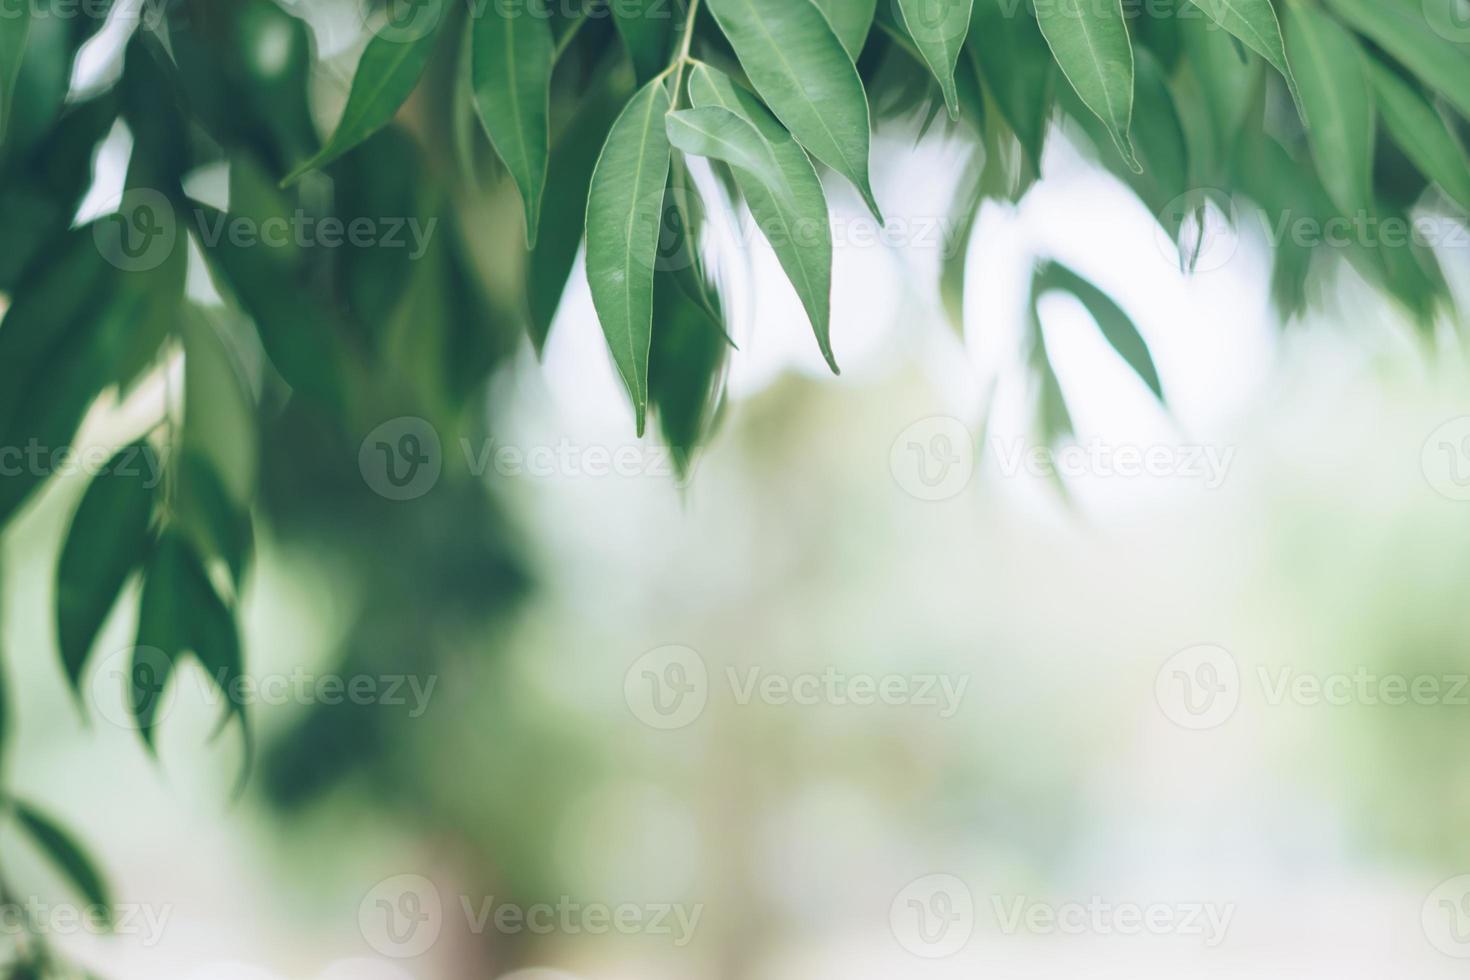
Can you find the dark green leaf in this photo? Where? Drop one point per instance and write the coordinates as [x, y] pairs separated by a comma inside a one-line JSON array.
[[938, 28], [105, 544], [1116, 326], [68, 856]]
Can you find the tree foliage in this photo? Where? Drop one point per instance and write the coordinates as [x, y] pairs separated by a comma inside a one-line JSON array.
[[515, 132]]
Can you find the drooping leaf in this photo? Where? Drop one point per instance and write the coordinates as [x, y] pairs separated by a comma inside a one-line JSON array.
[[294, 328], [798, 226], [513, 56], [1255, 24], [1421, 132], [645, 27], [15, 28], [69, 857], [1428, 36], [1089, 39], [386, 75], [851, 20], [624, 212], [803, 73], [209, 515], [719, 134], [938, 28], [163, 630], [1116, 326], [564, 212], [1332, 75], [685, 370], [105, 544], [1013, 59]]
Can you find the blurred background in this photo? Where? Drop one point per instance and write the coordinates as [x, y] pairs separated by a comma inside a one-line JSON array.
[[885, 687]]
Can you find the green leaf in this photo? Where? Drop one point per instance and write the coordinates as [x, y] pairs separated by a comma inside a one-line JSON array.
[[564, 214], [15, 28], [105, 544], [645, 27], [686, 369], [387, 74], [216, 524], [1089, 39], [624, 214], [295, 330], [797, 226], [1116, 326], [1013, 59], [1255, 24], [67, 855], [803, 73], [851, 20], [163, 629], [1333, 77], [1421, 132], [1428, 36], [938, 28], [719, 134], [513, 57]]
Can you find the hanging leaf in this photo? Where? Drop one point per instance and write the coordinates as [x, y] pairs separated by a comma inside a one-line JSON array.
[[513, 57], [163, 630], [797, 224], [386, 75], [15, 28], [214, 522], [1012, 57], [645, 27], [1428, 36], [938, 28], [105, 544], [564, 213], [803, 73], [1090, 42], [624, 212], [1332, 74], [68, 856], [1421, 132], [1116, 326], [1255, 24], [851, 21], [719, 134]]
